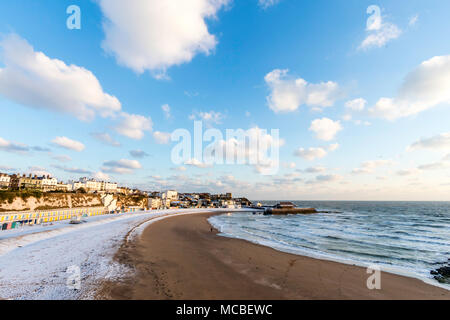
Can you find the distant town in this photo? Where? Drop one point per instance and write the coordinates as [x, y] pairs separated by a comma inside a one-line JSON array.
[[162, 199]]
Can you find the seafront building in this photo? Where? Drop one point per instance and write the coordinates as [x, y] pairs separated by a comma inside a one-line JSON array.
[[168, 197], [92, 185], [154, 203], [47, 183], [5, 181]]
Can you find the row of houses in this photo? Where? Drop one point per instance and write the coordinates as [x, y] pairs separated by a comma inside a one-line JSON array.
[[18, 181], [92, 185], [47, 183], [173, 199]]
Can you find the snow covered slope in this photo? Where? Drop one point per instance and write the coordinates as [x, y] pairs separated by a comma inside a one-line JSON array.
[[34, 263]]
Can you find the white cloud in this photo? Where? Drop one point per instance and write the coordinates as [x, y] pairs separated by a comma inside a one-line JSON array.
[[333, 147], [379, 38], [105, 138], [347, 117], [7, 168], [123, 166], [315, 169], [325, 129], [72, 169], [356, 104], [267, 3], [378, 32], [20, 148], [324, 179], [408, 172], [196, 163], [288, 94], [257, 147], [70, 144], [434, 166], [138, 154], [155, 35], [311, 153], [438, 142], [181, 168], [62, 158], [191, 94], [101, 176], [447, 157], [425, 87], [370, 166], [267, 167], [162, 137], [289, 165], [33, 79], [413, 20], [360, 122], [328, 178], [39, 171], [314, 153], [166, 109], [211, 117], [133, 126], [13, 146]]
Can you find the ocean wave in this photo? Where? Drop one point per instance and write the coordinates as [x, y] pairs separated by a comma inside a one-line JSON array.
[[410, 237]]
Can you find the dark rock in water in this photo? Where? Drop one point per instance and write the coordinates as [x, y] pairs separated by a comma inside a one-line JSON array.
[[286, 211], [442, 274], [441, 279], [444, 271], [329, 211]]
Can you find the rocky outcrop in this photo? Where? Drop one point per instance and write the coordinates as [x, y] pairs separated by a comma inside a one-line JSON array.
[[132, 201], [86, 200], [442, 274], [49, 201], [283, 211]]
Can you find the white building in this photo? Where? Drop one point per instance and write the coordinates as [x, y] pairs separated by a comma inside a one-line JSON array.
[[5, 180], [154, 203], [110, 187], [92, 185], [66, 187], [171, 195], [47, 183], [76, 185]]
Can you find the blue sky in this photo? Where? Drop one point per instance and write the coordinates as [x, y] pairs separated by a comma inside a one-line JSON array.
[[361, 107]]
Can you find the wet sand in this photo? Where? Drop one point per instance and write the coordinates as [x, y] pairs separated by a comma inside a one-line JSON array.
[[183, 258]]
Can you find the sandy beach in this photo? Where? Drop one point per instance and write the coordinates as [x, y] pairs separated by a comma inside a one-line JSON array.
[[183, 258]]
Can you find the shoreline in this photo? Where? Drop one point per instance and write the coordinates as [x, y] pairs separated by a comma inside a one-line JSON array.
[[385, 268], [183, 257]]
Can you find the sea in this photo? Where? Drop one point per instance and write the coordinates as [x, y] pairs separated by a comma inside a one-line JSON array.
[[407, 238]]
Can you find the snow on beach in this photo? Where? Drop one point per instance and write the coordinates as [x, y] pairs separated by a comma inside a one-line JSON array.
[[37, 262]]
